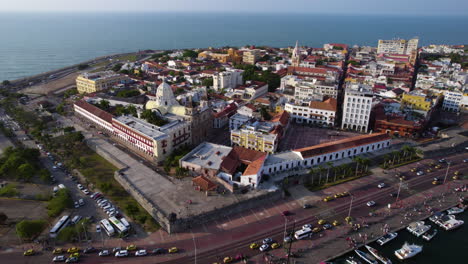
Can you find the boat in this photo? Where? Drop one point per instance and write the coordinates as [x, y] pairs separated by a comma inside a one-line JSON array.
[[452, 224], [352, 260], [408, 251], [436, 216], [455, 210], [444, 219], [366, 257], [418, 228], [387, 238], [378, 255], [428, 237]]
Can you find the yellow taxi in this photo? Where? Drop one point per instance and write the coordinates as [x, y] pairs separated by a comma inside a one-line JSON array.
[[336, 223], [321, 222], [75, 255], [73, 250], [316, 230], [348, 219], [435, 182], [227, 260], [414, 169], [254, 246], [173, 250], [57, 251], [131, 247], [455, 177], [275, 245], [29, 252], [429, 170], [457, 173], [438, 167], [328, 198]]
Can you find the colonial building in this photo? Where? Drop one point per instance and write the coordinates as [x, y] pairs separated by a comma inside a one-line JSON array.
[[251, 56], [296, 56], [250, 91], [94, 114], [321, 113], [93, 82], [227, 80]]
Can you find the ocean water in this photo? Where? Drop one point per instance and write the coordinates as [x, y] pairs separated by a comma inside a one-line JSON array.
[[31, 43], [445, 247]]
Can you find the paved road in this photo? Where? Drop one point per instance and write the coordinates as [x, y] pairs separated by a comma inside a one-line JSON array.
[[214, 244]]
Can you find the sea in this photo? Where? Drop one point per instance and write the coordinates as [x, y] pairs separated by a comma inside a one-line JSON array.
[[32, 43], [445, 247]]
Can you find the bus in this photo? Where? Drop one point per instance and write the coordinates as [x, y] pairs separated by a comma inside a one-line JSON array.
[[125, 222], [107, 227], [62, 222], [303, 233], [119, 226]]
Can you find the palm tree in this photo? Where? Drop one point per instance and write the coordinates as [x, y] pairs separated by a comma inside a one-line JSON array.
[[366, 162], [329, 166], [320, 170], [406, 150], [335, 170], [358, 161], [395, 154], [387, 158], [312, 172]]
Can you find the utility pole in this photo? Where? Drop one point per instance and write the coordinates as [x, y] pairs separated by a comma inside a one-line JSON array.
[[350, 205], [285, 224], [446, 173], [399, 188], [292, 240]]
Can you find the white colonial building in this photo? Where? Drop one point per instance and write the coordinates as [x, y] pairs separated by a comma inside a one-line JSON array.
[[228, 79], [316, 112]]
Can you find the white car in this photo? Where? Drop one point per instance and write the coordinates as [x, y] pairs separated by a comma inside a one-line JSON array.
[[77, 205], [419, 173], [80, 186], [264, 247], [104, 253], [381, 185], [141, 252], [307, 226], [370, 203], [81, 202], [121, 253], [98, 229], [441, 160], [86, 191], [59, 259], [267, 241]]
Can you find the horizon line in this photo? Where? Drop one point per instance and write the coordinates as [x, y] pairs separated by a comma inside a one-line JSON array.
[[240, 12]]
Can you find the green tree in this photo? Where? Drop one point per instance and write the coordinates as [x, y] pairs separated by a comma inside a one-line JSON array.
[[132, 209], [190, 54], [26, 171], [28, 229], [82, 67], [329, 167], [6, 83], [207, 82], [153, 118], [264, 113], [44, 175], [104, 104], [60, 202], [3, 218], [117, 67]]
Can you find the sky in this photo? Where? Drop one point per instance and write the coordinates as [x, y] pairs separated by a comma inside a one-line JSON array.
[[400, 7]]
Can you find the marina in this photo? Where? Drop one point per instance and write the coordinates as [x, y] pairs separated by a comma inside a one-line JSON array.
[[408, 251], [428, 237], [378, 255], [387, 238], [418, 228]]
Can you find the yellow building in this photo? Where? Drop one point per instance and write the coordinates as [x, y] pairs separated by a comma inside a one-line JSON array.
[[93, 82], [417, 101], [230, 56], [251, 56]]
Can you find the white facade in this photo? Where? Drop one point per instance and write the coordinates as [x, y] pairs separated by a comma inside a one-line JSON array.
[[310, 115], [237, 121], [94, 118], [227, 80], [165, 96], [398, 46], [357, 106], [452, 101]]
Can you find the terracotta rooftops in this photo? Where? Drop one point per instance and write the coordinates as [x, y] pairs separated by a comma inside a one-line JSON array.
[[255, 166], [94, 110], [204, 183], [330, 104], [237, 156], [229, 109], [338, 145], [282, 117]]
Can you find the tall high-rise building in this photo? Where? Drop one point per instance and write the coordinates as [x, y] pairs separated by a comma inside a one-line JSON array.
[[228, 79], [399, 46], [251, 56], [357, 106]]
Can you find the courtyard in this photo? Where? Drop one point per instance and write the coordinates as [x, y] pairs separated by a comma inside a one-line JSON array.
[[300, 136]]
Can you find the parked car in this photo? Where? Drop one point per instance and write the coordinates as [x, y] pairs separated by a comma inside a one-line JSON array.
[[77, 204], [264, 247], [157, 251], [419, 173], [104, 253], [307, 226], [370, 203], [89, 250], [81, 202], [60, 258], [141, 253], [267, 241], [327, 226], [81, 187], [121, 253], [71, 260], [307, 206], [381, 185]]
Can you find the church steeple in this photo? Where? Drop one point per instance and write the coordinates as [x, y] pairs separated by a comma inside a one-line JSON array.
[[165, 96], [296, 56]]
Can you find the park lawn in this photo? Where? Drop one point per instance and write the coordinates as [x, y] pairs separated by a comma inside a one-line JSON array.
[[128, 57], [100, 173]]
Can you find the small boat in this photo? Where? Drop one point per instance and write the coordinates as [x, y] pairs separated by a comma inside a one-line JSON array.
[[428, 237], [452, 224], [455, 210], [366, 257], [387, 238], [408, 251], [378, 255], [418, 228], [444, 219], [352, 260], [436, 216]]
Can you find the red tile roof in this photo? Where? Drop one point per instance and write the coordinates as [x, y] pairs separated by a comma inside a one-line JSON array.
[[237, 156], [330, 104], [204, 183], [95, 110], [338, 145], [255, 166], [282, 117], [229, 109]]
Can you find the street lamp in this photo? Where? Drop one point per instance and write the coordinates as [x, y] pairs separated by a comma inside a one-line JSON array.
[[446, 173], [285, 224], [399, 188], [350, 205], [195, 246]]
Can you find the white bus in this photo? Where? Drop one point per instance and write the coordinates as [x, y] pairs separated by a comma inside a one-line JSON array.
[[119, 226], [76, 219], [107, 227], [125, 222], [303, 233], [62, 222]]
